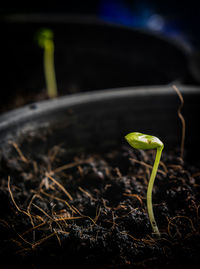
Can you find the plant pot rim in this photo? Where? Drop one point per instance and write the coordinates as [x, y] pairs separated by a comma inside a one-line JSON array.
[[33, 110]]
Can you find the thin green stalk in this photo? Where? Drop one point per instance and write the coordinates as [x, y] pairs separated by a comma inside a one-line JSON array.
[[49, 69], [149, 191], [45, 41]]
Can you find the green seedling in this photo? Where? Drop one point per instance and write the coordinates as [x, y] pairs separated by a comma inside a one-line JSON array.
[[45, 41], [143, 141]]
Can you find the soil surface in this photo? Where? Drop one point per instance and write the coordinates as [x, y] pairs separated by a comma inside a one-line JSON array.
[[59, 210]]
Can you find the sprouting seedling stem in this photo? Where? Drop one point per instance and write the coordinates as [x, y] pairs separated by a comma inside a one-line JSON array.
[[149, 192], [45, 40], [142, 141]]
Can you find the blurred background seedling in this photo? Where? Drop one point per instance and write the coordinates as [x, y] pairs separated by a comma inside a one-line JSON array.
[[45, 40]]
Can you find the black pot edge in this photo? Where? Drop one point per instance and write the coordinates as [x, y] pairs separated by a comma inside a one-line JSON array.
[[34, 110], [90, 19]]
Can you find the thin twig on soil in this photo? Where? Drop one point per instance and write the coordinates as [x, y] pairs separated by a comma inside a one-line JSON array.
[[60, 186], [70, 165], [134, 196], [22, 157], [86, 193], [179, 217], [13, 200], [146, 165], [58, 199], [182, 120]]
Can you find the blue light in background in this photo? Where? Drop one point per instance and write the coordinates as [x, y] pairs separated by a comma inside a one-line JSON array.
[[119, 12], [142, 15]]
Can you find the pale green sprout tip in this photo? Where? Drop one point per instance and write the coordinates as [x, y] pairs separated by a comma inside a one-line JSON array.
[[45, 41], [143, 141], [44, 37]]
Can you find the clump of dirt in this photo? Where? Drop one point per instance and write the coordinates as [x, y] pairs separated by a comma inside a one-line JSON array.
[[59, 209]]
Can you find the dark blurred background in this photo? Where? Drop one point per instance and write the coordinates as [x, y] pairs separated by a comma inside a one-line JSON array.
[[176, 19], [93, 56]]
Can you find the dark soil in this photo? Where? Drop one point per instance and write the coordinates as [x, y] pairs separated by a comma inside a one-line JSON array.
[[59, 210]]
